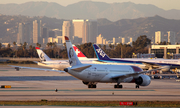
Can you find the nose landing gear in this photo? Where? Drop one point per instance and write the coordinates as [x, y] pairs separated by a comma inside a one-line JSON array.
[[118, 86]]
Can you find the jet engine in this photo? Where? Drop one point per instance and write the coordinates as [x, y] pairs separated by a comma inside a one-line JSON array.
[[143, 80], [165, 68], [86, 83]]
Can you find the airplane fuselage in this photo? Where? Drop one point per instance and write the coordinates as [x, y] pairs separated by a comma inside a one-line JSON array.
[[173, 63], [104, 73]]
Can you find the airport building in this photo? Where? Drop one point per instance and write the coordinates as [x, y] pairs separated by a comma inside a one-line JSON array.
[[161, 51]]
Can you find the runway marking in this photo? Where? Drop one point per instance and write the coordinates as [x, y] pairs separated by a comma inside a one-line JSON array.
[[92, 95], [3, 70], [75, 90]]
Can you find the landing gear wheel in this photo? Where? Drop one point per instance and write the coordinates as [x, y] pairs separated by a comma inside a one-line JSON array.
[[91, 86], [137, 86], [94, 86], [118, 86]]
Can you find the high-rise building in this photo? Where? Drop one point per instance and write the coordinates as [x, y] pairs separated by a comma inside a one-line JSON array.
[[99, 39], [52, 34], [131, 40], [85, 29], [45, 35], [67, 30], [24, 33], [90, 31], [20, 37], [27, 32], [78, 25], [104, 41], [37, 27], [171, 37], [114, 40], [159, 37], [123, 40]]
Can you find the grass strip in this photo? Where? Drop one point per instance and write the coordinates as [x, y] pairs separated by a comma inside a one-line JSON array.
[[90, 103]]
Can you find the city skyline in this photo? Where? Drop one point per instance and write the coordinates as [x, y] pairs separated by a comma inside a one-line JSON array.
[[164, 4]]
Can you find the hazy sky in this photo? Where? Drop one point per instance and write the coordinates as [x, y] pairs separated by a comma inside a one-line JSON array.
[[164, 4]]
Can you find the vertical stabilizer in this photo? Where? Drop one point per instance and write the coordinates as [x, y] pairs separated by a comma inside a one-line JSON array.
[[79, 54], [101, 55], [73, 59], [43, 57]]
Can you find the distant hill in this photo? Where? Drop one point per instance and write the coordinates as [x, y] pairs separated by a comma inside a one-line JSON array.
[[109, 29], [88, 10], [136, 27]]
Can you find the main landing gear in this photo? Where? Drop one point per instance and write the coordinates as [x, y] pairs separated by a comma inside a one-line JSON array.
[[137, 86], [118, 86], [91, 86]]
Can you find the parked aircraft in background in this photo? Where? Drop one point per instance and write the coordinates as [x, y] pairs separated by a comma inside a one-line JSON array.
[[91, 74], [47, 62], [56, 65], [60, 64], [148, 64]]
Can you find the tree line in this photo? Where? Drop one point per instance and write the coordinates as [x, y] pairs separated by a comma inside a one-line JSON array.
[[114, 51]]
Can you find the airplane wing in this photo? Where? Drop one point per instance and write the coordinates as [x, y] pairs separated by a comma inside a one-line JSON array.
[[149, 64], [43, 69]]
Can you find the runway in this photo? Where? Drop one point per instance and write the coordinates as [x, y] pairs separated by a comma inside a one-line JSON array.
[[36, 85]]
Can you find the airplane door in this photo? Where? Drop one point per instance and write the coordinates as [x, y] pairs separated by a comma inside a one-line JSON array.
[[88, 73]]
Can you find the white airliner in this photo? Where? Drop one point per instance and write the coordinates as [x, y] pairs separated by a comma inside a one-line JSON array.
[[54, 65], [47, 62], [143, 63], [91, 74], [60, 64]]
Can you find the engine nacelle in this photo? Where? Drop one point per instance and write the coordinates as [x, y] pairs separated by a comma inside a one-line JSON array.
[[143, 80], [86, 83], [165, 68]]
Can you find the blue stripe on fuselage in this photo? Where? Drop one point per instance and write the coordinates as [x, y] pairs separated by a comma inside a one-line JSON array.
[[138, 62], [122, 61]]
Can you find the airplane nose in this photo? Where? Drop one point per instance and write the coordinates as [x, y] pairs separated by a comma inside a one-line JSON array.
[[66, 69]]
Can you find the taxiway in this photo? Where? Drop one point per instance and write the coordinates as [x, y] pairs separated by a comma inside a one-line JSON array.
[[36, 85]]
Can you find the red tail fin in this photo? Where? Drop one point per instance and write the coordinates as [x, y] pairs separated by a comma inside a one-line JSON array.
[[78, 52]]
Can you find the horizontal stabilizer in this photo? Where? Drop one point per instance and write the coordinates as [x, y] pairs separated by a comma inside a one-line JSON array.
[[79, 69]]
